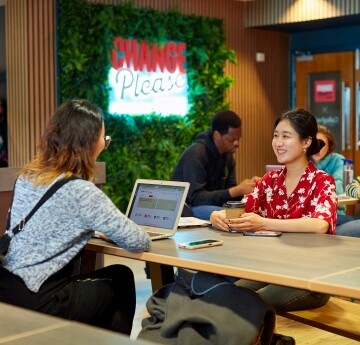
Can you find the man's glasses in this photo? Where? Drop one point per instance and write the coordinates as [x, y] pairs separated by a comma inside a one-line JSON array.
[[107, 140]]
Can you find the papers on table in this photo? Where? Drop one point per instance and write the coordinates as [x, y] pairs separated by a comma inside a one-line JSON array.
[[343, 196], [192, 222]]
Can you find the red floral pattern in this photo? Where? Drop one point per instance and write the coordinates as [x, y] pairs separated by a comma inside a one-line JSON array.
[[313, 197]]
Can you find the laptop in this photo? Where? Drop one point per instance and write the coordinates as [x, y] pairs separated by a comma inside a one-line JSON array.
[[156, 206], [270, 167]]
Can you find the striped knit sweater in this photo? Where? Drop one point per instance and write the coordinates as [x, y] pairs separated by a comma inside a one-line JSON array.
[[353, 189], [61, 227]]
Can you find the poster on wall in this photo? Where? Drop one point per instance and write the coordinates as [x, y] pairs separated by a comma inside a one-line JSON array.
[[145, 78], [324, 101]]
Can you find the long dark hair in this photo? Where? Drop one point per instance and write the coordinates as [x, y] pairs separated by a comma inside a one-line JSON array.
[[68, 143], [329, 136], [305, 125]]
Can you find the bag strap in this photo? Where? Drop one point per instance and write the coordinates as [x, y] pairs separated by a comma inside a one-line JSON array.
[[57, 185], [8, 216]]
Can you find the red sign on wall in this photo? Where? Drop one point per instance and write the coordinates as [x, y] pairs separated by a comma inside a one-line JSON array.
[[146, 78], [325, 91]]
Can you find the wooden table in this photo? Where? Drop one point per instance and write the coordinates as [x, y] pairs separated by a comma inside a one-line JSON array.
[[347, 200], [322, 263], [20, 326]]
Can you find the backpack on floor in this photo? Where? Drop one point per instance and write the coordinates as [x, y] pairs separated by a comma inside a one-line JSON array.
[[202, 308]]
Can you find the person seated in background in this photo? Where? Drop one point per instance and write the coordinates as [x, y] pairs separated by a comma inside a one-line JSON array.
[[297, 198], [352, 227], [209, 166], [38, 269], [332, 163]]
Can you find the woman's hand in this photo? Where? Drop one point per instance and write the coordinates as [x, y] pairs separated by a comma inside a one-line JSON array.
[[218, 219], [255, 179], [248, 221]]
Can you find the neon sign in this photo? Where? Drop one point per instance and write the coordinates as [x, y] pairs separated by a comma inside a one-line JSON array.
[[145, 78]]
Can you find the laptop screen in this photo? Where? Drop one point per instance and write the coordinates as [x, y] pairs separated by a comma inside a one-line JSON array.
[[157, 204]]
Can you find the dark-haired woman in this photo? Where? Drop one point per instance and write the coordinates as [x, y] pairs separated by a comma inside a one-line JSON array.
[[42, 257], [332, 163], [297, 198]]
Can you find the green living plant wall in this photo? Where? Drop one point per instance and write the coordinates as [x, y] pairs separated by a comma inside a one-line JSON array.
[[143, 146]]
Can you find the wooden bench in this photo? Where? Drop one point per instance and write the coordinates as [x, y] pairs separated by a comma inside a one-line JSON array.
[[337, 316]]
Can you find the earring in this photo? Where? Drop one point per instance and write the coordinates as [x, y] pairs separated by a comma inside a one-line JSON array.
[[304, 149]]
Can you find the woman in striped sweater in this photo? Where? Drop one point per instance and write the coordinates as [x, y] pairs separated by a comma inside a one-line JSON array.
[[351, 228]]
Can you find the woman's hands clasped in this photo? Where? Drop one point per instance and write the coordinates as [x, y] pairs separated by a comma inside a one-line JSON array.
[[248, 221]]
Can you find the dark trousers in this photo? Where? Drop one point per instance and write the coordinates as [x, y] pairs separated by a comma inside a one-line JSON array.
[[104, 298]]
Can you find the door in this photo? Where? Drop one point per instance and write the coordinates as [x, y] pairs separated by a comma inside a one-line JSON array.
[[326, 86]]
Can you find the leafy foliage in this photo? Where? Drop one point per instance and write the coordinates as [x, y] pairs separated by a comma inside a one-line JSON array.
[[143, 146]]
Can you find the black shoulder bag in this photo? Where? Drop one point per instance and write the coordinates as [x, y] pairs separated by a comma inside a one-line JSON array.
[[5, 239]]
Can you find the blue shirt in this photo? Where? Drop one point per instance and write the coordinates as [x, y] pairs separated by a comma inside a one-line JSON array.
[[333, 164]]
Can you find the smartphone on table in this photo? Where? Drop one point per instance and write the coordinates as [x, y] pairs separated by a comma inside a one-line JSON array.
[[201, 244], [264, 233]]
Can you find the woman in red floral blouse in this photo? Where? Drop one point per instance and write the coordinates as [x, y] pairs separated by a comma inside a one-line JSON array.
[[297, 198]]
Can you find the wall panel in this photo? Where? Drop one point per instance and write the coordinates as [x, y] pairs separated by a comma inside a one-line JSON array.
[[17, 81], [30, 64], [266, 12]]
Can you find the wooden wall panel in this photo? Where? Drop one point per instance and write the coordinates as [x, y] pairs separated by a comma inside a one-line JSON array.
[[2, 52], [260, 91], [17, 81], [266, 12], [30, 58], [41, 67]]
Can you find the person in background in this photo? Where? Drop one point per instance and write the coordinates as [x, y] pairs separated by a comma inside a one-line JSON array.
[[297, 198], [209, 166], [332, 163], [352, 227], [38, 268]]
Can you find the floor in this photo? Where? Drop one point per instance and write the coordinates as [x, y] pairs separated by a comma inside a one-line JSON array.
[[303, 334]]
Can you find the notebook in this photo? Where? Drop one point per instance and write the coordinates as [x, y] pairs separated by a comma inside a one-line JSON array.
[[156, 206], [192, 222]]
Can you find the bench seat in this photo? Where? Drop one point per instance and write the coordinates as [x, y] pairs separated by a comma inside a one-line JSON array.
[[337, 316]]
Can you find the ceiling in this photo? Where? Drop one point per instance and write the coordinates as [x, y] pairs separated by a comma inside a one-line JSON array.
[[316, 24]]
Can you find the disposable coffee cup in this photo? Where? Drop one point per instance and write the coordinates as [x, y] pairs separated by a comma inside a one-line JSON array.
[[234, 209]]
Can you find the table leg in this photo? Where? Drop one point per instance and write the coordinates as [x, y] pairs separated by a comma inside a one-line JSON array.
[[160, 275], [91, 261]]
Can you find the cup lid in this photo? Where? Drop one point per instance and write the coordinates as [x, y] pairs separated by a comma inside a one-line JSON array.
[[234, 204], [348, 161]]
